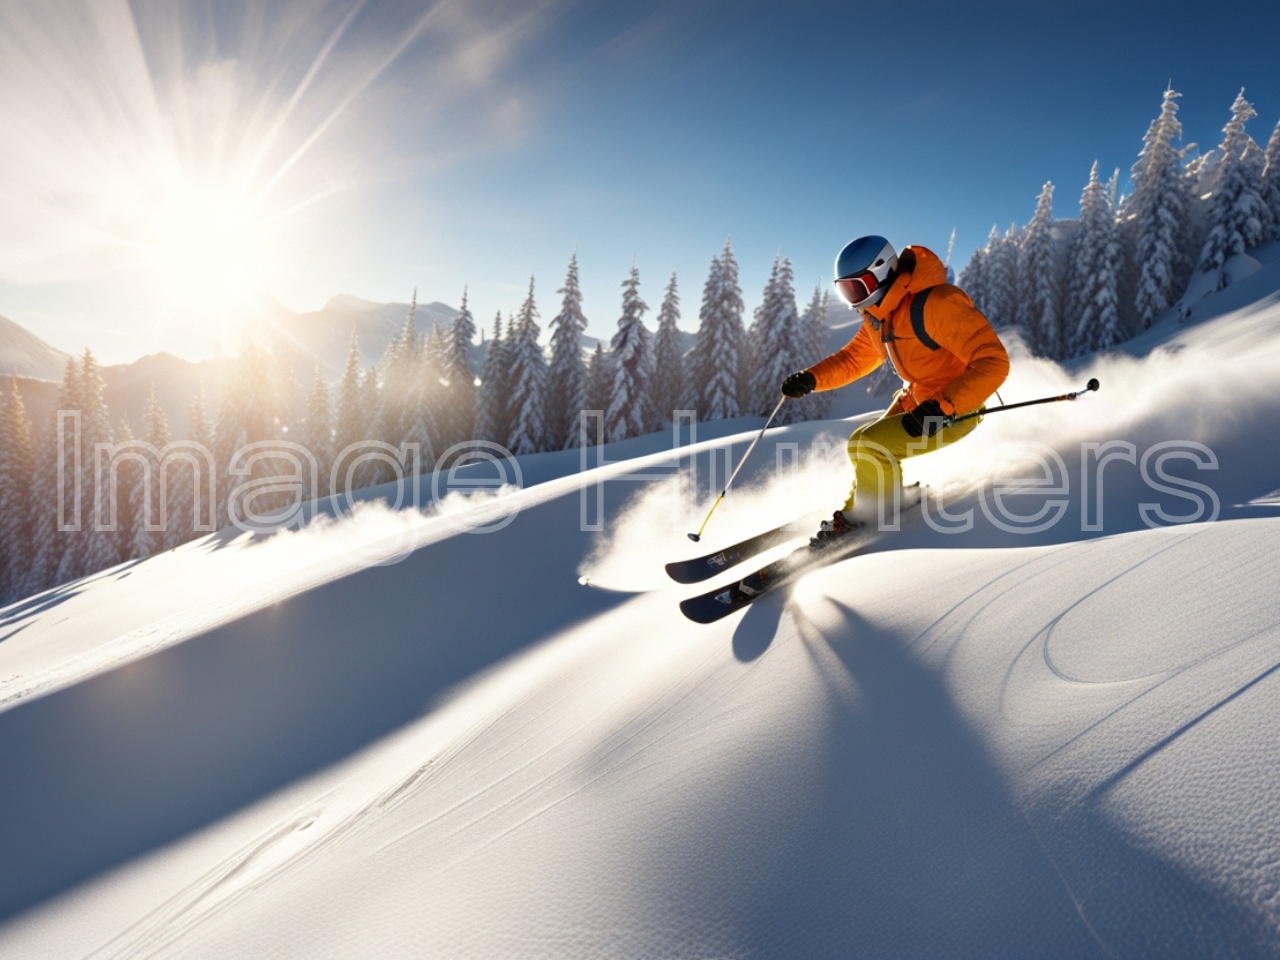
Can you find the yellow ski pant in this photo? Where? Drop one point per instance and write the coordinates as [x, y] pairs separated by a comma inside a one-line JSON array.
[[878, 448]]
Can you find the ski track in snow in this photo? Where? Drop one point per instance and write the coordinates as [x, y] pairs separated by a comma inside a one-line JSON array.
[[490, 742]]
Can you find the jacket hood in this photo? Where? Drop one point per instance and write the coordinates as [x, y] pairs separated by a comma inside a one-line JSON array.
[[918, 269]]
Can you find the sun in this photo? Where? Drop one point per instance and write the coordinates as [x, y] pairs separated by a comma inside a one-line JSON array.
[[209, 246]]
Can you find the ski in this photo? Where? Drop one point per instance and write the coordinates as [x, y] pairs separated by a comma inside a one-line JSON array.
[[706, 567], [719, 603]]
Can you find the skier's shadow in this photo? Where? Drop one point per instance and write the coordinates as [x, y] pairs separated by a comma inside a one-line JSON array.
[[759, 625]]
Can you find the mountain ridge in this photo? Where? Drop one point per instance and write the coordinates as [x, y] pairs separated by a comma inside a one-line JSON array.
[[27, 355]]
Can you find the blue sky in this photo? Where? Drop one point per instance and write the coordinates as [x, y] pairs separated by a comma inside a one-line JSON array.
[[478, 144]]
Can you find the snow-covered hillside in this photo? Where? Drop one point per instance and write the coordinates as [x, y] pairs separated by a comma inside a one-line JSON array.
[[26, 355], [393, 735]]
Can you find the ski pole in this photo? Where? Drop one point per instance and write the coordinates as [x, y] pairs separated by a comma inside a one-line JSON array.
[[695, 537], [1091, 386]]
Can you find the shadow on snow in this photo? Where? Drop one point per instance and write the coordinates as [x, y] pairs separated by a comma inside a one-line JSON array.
[[132, 759]]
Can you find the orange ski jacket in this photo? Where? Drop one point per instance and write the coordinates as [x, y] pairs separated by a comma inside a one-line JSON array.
[[937, 341]]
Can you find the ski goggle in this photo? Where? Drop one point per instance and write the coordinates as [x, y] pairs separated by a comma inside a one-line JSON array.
[[858, 288]]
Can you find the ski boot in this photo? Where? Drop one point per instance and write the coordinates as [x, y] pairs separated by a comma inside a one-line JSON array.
[[833, 531], [754, 584]]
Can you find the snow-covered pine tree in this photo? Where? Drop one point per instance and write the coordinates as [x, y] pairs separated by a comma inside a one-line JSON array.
[[436, 388], [786, 330], [1003, 277], [315, 433], [812, 347], [754, 348], [56, 482], [1197, 175], [436, 354], [1011, 243], [1256, 158], [951, 246], [696, 363], [1158, 207], [155, 430], [351, 423], [1271, 180], [734, 309], [993, 291], [188, 486], [128, 485], [667, 385], [424, 397], [973, 280], [777, 343], [1127, 272], [1078, 283], [1041, 283], [227, 431], [153, 503], [224, 420], [567, 375], [528, 381], [629, 412], [491, 399], [599, 388], [1238, 216], [67, 486], [403, 372], [821, 403], [253, 409], [1094, 308], [17, 466], [720, 339], [599, 379], [101, 549], [92, 549], [376, 469], [460, 413]]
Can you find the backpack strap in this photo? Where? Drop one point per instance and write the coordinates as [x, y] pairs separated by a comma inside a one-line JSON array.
[[917, 319]]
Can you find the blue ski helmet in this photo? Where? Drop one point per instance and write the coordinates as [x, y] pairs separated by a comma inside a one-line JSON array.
[[864, 270]]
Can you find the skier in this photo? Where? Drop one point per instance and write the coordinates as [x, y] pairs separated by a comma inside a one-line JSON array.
[[948, 356]]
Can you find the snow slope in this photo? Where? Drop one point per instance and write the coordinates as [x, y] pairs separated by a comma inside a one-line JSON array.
[[26, 355], [383, 735]]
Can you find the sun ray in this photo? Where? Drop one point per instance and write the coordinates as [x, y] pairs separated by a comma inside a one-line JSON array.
[[352, 95], [312, 72], [284, 215]]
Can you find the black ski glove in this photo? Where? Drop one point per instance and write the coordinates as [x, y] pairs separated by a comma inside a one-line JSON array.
[[925, 420], [799, 384]]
